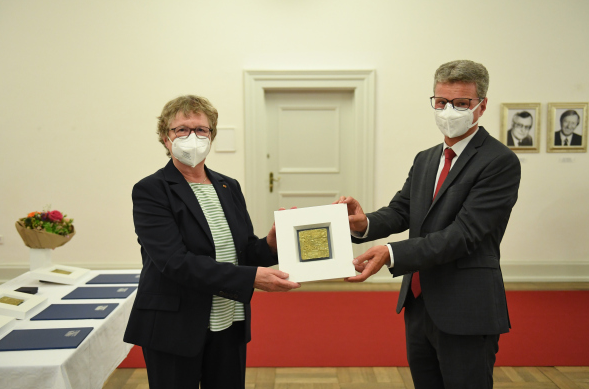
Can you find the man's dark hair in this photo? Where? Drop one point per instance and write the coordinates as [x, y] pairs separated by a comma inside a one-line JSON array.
[[570, 112], [523, 115]]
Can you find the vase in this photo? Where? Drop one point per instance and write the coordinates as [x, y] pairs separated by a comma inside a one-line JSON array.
[[39, 258]]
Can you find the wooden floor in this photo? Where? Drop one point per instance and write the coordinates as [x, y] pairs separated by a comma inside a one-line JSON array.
[[373, 378]]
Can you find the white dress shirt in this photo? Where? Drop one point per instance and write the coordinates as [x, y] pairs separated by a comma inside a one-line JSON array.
[[568, 138]]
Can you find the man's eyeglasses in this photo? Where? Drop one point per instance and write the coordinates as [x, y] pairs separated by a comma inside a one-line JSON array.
[[519, 125], [200, 132], [459, 104]]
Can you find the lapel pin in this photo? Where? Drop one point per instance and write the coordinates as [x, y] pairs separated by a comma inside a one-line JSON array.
[[224, 186]]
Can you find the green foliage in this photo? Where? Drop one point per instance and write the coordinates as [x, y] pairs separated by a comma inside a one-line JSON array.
[[50, 221]]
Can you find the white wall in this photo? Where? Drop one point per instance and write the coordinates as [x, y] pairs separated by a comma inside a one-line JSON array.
[[81, 83]]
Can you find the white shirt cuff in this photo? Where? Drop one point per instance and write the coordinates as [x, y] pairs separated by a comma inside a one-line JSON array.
[[392, 264]]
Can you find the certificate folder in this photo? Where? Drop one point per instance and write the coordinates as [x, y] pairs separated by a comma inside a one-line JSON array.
[[44, 339], [100, 292], [76, 311], [115, 279]]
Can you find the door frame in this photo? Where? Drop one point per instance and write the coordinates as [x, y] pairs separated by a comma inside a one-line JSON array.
[[257, 82]]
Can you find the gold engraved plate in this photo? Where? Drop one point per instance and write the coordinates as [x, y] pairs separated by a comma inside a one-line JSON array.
[[11, 301], [59, 271], [314, 244]]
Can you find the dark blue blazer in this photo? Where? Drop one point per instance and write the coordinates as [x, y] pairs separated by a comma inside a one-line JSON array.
[[454, 240], [180, 274]]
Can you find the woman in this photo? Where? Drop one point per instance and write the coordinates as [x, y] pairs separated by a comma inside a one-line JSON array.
[[200, 260]]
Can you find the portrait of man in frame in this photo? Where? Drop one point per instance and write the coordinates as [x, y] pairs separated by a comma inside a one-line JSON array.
[[567, 127], [520, 126]]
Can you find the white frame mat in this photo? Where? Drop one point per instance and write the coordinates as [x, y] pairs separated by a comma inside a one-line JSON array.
[[6, 325], [47, 274], [335, 217], [23, 311]]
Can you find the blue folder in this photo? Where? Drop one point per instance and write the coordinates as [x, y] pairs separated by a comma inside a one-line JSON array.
[[100, 292], [44, 339], [75, 311], [115, 279]]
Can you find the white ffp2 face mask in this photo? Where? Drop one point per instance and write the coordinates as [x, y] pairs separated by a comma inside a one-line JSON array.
[[455, 123], [191, 150]]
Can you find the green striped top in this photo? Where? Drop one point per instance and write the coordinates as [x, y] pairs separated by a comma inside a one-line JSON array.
[[224, 311]]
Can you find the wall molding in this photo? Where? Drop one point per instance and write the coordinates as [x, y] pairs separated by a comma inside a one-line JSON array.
[[545, 271], [528, 271], [513, 271]]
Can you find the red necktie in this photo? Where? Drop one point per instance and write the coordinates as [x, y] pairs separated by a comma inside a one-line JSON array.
[[449, 155]]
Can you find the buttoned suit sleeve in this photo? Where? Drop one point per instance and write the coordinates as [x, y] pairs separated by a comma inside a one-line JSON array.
[[472, 212], [474, 208]]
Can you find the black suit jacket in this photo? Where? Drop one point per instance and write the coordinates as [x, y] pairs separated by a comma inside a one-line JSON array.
[[180, 274], [527, 141], [576, 140], [454, 240]]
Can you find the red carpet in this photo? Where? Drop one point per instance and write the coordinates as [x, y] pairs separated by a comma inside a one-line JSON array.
[[362, 329]]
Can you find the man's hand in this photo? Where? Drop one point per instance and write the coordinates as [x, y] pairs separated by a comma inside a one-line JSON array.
[[356, 216], [370, 262], [271, 237], [271, 280]]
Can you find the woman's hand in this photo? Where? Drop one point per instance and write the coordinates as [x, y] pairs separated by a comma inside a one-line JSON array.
[[271, 238], [271, 280]]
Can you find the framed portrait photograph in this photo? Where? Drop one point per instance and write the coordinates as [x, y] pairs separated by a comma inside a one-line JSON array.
[[567, 128], [520, 126]]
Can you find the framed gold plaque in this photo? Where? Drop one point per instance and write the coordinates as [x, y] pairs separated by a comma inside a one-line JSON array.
[[60, 274], [11, 301], [20, 305], [61, 271], [314, 243]]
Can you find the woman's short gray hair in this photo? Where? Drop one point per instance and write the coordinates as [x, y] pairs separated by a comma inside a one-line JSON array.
[[186, 104], [464, 71]]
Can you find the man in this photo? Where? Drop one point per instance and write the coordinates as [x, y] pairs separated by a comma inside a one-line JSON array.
[[456, 204], [569, 121], [519, 133]]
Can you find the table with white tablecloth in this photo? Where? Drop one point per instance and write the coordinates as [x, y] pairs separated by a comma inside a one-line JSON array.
[[86, 367]]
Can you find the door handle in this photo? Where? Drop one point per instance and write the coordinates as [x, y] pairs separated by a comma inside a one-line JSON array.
[[272, 180]]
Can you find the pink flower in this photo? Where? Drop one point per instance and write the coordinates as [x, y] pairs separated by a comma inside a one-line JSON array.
[[55, 216]]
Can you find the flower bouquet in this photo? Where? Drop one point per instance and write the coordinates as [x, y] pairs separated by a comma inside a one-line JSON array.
[[45, 230]]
